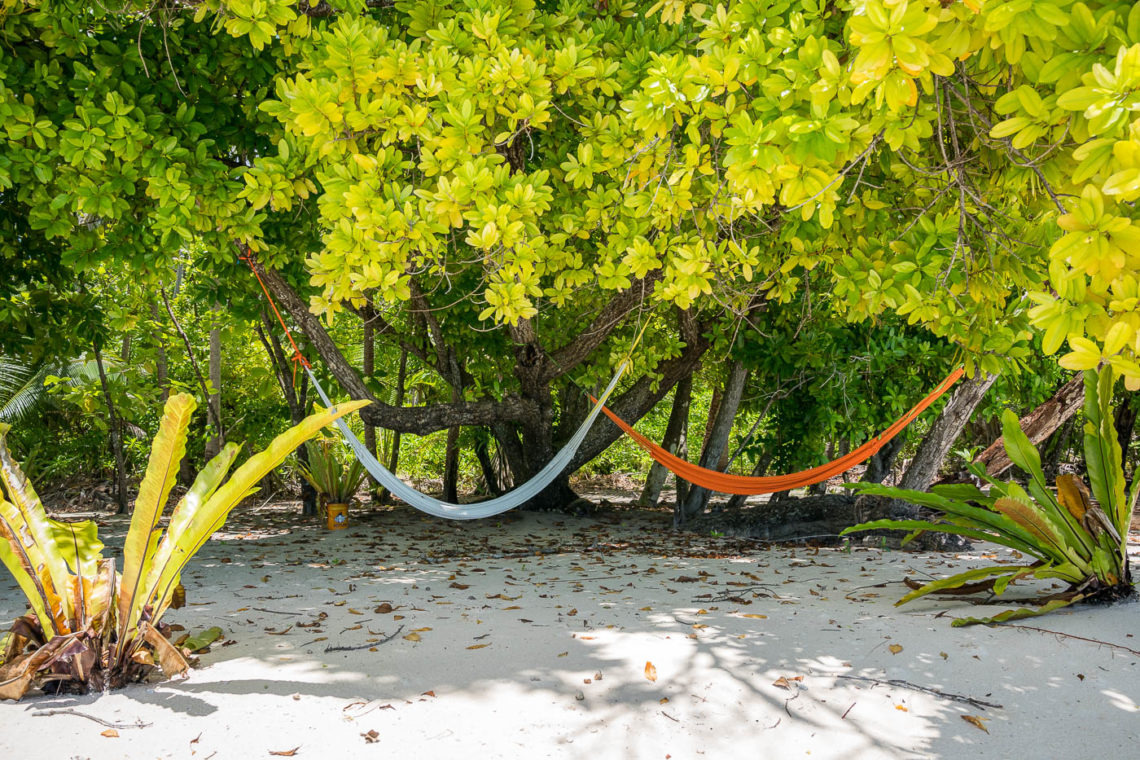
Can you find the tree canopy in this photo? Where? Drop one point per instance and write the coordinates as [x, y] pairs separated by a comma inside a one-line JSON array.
[[508, 189]]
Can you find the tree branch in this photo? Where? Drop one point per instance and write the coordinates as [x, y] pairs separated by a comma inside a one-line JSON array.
[[322, 8], [637, 400], [575, 352], [419, 420]]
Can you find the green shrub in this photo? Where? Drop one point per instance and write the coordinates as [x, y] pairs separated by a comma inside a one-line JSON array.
[[1077, 535]]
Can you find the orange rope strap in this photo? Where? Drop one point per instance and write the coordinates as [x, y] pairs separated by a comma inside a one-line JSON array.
[[744, 485], [298, 357]]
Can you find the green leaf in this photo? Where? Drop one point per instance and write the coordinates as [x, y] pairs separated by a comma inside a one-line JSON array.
[[202, 639], [197, 525], [161, 473], [961, 579], [1016, 614]]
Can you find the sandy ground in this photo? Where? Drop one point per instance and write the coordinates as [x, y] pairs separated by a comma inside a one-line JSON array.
[[608, 636]]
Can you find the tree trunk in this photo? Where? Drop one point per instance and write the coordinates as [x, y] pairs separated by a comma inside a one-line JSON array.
[[383, 496], [675, 442], [116, 434], [923, 469], [1056, 446], [369, 369], [451, 466], [296, 401], [216, 422], [716, 442], [486, 464], [161, 369], [216, 441], [882, 461], [1125, 422], [1038, 424], [738, 500], [783, 518]]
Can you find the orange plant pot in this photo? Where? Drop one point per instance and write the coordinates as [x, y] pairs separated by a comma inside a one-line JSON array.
[[336, 516]]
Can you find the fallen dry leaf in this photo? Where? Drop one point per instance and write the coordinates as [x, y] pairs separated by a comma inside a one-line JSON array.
[[650, 671], [371, 737], [976, 721], [478, 646], [901, 708], [895, 648], [383, 609], [285, 752], [754, 616], [784, 682], [460, 586], [412, 637], [110, 733]]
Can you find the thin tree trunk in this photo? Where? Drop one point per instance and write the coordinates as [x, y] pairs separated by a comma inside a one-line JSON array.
[[716, 441], [193, 361], [1125, 422], [1038, 424], [738, 500], [215, 442], [401, 380], [923, 469], [1056, 446], [882, 461], [486, 464], [451, 466], [369, 368], [116, 433], [296, 401], [161, 369], [675, 442]]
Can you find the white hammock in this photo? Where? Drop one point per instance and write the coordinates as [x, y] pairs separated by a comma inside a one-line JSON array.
[[515, 498]]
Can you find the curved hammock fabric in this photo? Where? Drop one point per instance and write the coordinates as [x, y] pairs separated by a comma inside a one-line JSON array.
[[447, 510], [743, 485]]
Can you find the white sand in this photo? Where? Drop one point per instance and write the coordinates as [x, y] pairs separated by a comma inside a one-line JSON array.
[[546, 627]]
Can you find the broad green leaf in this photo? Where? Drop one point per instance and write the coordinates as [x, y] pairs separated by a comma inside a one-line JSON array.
[[202, 639], [961, 579], [1016, 614], [16, 558], [34, 529], [209, 517], [78, 542], [207, 482], [166, 454]]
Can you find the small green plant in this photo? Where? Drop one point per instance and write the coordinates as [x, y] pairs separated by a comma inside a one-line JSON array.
[[1075, 535], [90, 626], [716, 533], [335, 481]]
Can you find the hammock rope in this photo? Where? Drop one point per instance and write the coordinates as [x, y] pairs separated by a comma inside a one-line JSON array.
[[429, 504], [744, 485]]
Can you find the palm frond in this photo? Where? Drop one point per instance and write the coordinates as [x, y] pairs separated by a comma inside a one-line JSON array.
[[21, 387]]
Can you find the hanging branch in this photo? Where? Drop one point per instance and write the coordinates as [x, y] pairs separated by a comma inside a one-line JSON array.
[[193, 363]]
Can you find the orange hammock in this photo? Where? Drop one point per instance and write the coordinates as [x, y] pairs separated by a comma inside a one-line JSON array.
[[744, 485]]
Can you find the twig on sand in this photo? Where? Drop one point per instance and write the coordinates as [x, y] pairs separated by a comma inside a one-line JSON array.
[[925, 689], [1071, 636], [100, 721], [276, 612], [366, 646]]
